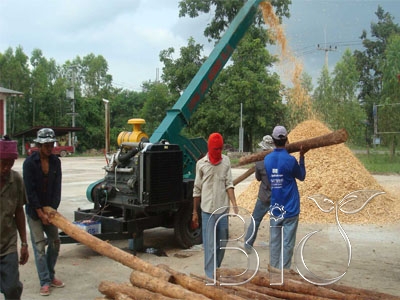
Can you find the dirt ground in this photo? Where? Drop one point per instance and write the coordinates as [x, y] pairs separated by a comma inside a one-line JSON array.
[[375, 256]]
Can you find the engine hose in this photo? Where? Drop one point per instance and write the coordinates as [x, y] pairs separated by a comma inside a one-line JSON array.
[[125, 157]]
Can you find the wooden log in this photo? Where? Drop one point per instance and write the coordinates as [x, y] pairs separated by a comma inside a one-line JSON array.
[[362, 293], [244, 175], [121, 296], [244, 292], [290, 285], [198, 285], [296, 284], [146, 281], [111, 289], [240, 291], [351, 292], [103, 247], [255, 290], [333, 138]]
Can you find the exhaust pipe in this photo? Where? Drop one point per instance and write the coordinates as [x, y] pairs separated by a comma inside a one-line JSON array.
[[107, 126]]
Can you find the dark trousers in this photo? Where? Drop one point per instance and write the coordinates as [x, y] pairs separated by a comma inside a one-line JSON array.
[[10, 285]]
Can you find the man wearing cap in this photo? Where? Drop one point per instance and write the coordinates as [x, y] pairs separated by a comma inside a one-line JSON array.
[[282, 171], [213, 189], [263, 201], [42, 176], [12, 221]]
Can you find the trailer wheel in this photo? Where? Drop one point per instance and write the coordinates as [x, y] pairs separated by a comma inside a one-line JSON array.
[[63, 153], [184, 234]]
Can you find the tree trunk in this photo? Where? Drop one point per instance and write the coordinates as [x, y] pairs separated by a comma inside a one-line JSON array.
[[111, 290], [103, 247], [147, 281], [333, 138], [298, 287], [271, 291], [244, 175], [198, 286]]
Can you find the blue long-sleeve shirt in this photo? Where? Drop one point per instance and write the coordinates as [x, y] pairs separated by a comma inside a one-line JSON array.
[[41, 190], [283, 170]]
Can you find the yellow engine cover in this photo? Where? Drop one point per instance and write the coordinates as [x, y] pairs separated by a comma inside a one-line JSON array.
[[135, 135]]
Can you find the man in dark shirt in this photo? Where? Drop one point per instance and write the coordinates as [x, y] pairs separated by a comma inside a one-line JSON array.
[[42, 176], [264, 196]]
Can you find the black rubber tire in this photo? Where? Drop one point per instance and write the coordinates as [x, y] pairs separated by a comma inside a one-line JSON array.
[[63, 153], [184, 234]]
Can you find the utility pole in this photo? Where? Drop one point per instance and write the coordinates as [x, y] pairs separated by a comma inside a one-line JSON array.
[[241, 131], [326, 49], [71, 96]]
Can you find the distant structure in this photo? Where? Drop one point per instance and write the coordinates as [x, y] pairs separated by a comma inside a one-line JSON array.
[[326, 49], [4, 94]]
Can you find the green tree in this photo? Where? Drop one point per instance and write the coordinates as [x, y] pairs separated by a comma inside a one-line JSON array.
[[177, 73], [90, 82], [369, 60], [224, 12], [15, 75], [245, 81], [48, 91], [349, 113], [124, 105], [306, 82], [158, 101], [94, 71], [298, 98], [389, 114], [323, 97], [248, 82]]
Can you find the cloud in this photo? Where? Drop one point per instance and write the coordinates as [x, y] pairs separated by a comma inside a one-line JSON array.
[[131, 33]]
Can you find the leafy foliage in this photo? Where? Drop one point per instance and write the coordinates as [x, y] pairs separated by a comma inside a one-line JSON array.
[[224, 12], [342, 99], [369, 60]]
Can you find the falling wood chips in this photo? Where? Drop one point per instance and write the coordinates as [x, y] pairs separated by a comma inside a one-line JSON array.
[[334, 172]]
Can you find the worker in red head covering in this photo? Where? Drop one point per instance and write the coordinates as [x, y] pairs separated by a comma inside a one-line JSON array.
[[212, 191], [12, 221], [215, 146]]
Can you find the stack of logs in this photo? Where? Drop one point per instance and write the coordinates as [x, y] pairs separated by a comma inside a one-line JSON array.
[[182, 286], [161, 282]]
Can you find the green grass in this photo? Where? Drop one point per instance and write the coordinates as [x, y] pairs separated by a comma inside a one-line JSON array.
[[380, 162]]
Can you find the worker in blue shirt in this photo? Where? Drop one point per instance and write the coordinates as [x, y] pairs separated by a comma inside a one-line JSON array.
[[282, 171]]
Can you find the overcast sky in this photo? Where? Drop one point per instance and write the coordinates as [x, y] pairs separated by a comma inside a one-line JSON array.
[[130, 34]]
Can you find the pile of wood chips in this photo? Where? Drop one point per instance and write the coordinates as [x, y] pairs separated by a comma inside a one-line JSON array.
[[335, 172]]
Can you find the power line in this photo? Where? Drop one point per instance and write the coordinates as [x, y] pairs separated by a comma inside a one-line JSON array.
[[326, 49], [312, 48]]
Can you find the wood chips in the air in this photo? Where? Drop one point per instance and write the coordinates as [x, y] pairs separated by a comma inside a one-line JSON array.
[[334, 172]]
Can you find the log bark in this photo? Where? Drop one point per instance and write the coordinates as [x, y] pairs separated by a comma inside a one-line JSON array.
[[304, 287], [112, 289], [349, 291], [295, 284], [198, 285], [362, 294], [244, 175], [146, 281], [103, 247], [290, 286], [333, 138], [270, 291], [246, 293], [121, 296], [238, 292]]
